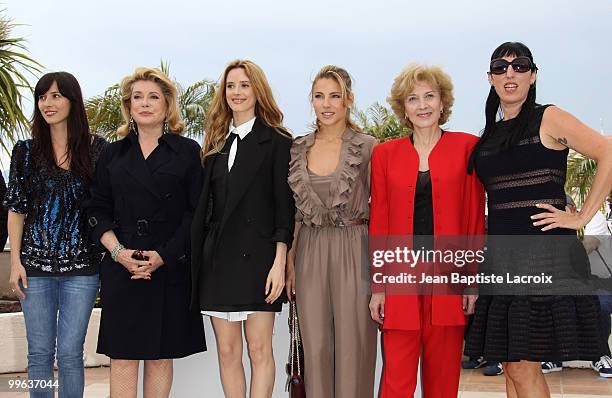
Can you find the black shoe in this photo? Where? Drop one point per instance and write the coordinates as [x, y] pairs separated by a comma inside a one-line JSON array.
[[474, 363], [493, 369], [549, 367], [603, 366]]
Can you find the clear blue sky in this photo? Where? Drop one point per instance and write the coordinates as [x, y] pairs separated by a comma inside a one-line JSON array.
[[100, 42]]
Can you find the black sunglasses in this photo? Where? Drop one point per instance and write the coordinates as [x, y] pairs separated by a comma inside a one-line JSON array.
[[519, 65]]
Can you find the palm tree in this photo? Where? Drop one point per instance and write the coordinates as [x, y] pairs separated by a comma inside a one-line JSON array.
[[380, 122], [15, 65], [580, 173], [104, 111]]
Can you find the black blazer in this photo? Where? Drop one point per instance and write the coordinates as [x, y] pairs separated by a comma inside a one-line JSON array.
[[164, 194], [259, 212]]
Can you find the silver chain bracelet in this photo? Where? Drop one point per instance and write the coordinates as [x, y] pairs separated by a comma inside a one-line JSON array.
[[115, 252]]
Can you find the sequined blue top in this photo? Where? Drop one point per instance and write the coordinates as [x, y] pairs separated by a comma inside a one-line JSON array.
[[55, 232]]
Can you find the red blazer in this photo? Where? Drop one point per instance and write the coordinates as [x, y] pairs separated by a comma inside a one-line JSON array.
[[458, 209]]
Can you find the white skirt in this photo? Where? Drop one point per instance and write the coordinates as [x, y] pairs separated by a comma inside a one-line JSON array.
[[230, 316]]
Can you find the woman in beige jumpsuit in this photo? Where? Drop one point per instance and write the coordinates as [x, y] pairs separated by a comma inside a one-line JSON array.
[[327, 266]]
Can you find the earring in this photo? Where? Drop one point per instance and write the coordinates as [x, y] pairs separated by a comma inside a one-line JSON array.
[[406, 115], [165, 131], [441, 111], [133, 125]]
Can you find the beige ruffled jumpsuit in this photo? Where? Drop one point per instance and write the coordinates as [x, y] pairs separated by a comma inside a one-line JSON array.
[[332, 270]]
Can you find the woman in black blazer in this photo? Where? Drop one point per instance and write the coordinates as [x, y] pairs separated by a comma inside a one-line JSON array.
[[143, 197], [243, 225]]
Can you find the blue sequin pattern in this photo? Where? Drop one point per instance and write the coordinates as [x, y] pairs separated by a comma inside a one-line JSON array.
[[55, 231]]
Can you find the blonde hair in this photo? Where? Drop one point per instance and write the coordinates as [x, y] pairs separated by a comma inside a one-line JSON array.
[[175, 124], [342, 77], [219, 113], [405, 82]]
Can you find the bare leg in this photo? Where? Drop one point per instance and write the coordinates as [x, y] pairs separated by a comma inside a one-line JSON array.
[[229, 351], [259, 341], [510, 390], [528, 380], [123, 378], [157, 378]]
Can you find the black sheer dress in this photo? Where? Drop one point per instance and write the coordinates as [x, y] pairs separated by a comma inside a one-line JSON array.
[[529, 327]]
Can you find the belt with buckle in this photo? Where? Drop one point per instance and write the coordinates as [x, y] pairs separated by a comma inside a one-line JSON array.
[[350, 223]]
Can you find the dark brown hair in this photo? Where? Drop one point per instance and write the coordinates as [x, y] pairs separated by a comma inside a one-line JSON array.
[[79, 137]]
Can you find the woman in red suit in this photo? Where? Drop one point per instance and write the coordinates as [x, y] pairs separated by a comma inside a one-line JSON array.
[[420, 186]]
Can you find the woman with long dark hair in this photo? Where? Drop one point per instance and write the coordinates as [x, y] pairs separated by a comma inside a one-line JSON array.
[[243, 225], [521, 160], [53, 268]]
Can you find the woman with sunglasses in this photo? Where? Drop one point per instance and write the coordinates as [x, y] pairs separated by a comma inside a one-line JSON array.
[[521, 160], [54, 270]]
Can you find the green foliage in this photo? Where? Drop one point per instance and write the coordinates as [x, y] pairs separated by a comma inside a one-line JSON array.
[[193, 103], [104, 111], [15, 66], [580, 173], [380, 122]]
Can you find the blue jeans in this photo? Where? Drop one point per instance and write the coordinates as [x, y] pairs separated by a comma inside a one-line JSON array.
[[605, 301], [73, 298]]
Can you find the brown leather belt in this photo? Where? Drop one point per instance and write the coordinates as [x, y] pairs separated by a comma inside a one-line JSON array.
[[350, 223]]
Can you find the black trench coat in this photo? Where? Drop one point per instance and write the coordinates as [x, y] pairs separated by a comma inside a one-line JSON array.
[[259, 211], [149, 205]]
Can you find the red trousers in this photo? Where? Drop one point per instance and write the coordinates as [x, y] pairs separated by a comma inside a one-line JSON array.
[[439, 347]]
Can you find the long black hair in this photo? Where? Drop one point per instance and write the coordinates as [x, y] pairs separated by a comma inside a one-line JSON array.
[[519, 124], [79, 137]]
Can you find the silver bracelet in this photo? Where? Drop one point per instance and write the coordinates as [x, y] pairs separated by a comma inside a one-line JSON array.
[[115, 252]]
